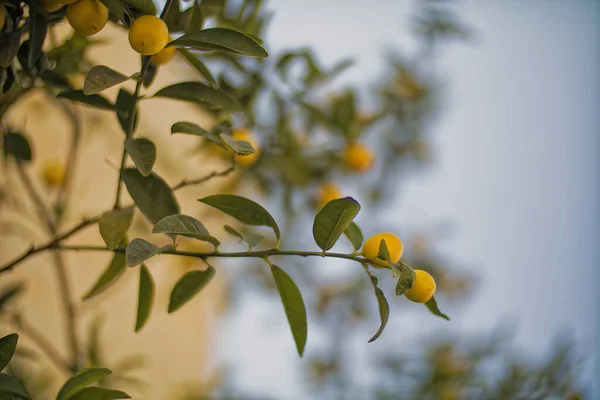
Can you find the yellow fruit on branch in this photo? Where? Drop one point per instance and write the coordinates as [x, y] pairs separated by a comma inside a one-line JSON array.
[[87, 17], [392, 242], [250, 159], [53, 173], [358, 157], [148, 35], [423, 287], [327, 193], [164, 56]]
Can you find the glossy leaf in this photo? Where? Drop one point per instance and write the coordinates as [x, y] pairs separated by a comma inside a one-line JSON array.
[[332, 220], [199, 66], [354, 234], [405, 280], [434, 309], [146, 7], [16, 145], [151, 194], [221, 39], [241, 147], [143, 153], [184, 225], [8, 345], [114, 225], [293, 304], [113, 272], [79, 381], [145, 298], [251, 239], [97, 393], [100, 78], [382, 303], [198, 92], [138, 251], [12, 389], [242, 209], [9, 293], [188, 286], [191, 128], [94, 100], [37, 34]]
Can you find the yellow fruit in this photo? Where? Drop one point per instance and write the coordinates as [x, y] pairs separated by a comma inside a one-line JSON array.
[[52, 6], [2, 17], [53, 173], [87, 17], [423, 287], [148, 35], [164, 56], [392, 242], [358, 157], [248, 160], [328, 192]]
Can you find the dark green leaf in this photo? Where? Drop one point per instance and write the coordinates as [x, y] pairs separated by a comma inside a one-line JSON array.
[[405, 280], [100, 78], [251, 239], [138, 251], [221, 39], [113, 226], [200, 93], [116, 8], [94, 100], [146, 7], [188, 286], [384, 308], [124, 105], [8, 345], [143, 153], [37, 34], [332, 220], [17, 146], [171, 15], [11, 387], [242, 209], [293, 304], [9, 47], [115, 269], [197, 64], [151, 194], [96, 393], [184, 225], [192, 129], [79, 381], [9, 293], [192, 19], [150, 75], [145, 298], [240, 147], [354, 234], [433, 308]]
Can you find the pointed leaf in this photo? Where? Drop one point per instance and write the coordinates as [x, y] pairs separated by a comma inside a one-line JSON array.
[[116, 7], [145, 298], [9, 293], [188, 286], [199, 66], [143, 153], [184, 225], [113, 226], [433, 308], [94, 100], [96, 393], [171, 15], [251, 239], [8, 345], [193, 129], [17, 146], [293, 304], [12, 389], [151, 194], [241, 147], [405, 280], [115, 269], [221, 39], [9, 47], [384, 308], [192, 19], [332, 220], [79, 381], [138, 251], [37, 34], [146, 7], [354, 234], [124, 106], [100, 78], [242, 209], [200, 93]]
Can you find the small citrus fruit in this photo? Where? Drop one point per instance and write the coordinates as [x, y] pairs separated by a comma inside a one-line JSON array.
[[164, 56], [358, 157], [87, 17], [328, 192], [423, 287], [148, 35], [392, 242], [248, 160], [53, 173]]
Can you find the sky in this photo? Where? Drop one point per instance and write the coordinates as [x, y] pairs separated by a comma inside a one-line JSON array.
[[515, 172]]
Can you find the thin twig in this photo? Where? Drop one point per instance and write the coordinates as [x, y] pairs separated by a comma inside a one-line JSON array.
[[43, 212], [204, 179]]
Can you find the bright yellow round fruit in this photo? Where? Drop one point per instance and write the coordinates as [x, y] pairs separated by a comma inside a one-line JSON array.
[[423, 287], [392, 242], [250, 159], [164, 56], [328, 192], [87, 17], [53, 173], [148, 35], [358, 157], [2, 17]]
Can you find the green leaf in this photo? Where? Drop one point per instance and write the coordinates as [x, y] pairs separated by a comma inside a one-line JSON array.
[[171, 15], [221, 39], [188, 286], [143, 153], [8, 345], [198, 92], [138, 251], [199, 66], [293, 304], [192, 19], [251, 239], [354, 234], [113, 226], [9, 47], [151, 194], [94, 100], [115, 269], [332, 220], [145, 298], [96, 393], [17, 146], [37, 34], [190, 128], [100, 78], [124, 105], [117, 8], [384, 308], [9, 293], [11, 387], [433, 308], [242, 209], [146, 7], [241, 147], [405, 280], [184, 225], [79, 381]]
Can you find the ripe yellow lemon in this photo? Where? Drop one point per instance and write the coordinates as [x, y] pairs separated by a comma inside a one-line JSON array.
[[164, 56], [392, 242], [53, 173], [2, 17], [358, 157], [148, 35], [423, 287], [328, 192], [248, 160], [87, 17]]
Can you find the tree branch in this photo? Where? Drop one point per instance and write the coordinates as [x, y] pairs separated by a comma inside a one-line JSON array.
[[204, 179]]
